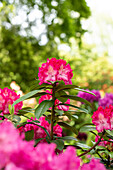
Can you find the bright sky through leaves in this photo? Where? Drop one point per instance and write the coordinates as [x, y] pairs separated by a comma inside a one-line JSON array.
[[100, 26]]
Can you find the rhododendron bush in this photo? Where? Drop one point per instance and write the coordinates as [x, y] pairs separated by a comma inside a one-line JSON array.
[[40, 142]]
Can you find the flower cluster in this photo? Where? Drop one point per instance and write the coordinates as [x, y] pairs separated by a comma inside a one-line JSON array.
[[38, 131], [89, 97], [17, 154], [108, 144], [93, 165], [54, 70], [8, 96], [49, 97], [107, 100], [103, 118]]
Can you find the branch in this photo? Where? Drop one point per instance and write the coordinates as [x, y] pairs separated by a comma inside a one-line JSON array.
[[93, 145]]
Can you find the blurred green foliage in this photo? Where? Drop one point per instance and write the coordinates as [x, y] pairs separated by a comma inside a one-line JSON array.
[[21, 55], [90, 70]]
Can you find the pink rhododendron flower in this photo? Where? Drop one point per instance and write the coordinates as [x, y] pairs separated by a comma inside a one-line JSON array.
[[18, 154], [12, 166], [49, 97], [23, 157], [8, 141], [101, 118], [8, 96], [54, 70], [93, 165], [106, 100], [67, 160], [104, 143], [45, 155], [46, 97], [89, 97], [111, 116], [14, 152], [39, 132]]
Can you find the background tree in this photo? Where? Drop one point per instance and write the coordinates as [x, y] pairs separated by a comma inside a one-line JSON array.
[[24, 25]]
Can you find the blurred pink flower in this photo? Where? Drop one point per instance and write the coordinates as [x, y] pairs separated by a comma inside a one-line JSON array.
[[67, 160], [18, 154], [93, 165]]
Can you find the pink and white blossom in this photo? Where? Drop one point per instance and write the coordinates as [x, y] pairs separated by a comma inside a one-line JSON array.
[[8, 96], [101, 118], [54, 70]]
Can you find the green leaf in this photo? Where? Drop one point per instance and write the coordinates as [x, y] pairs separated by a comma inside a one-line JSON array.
[[39, 94], [109, 132], [61, 82], [81, 145], [73, 129], [25, 110], [43, 86], [43, 107], [64, 87], [29, 135], [59, 143], [67, 138], [109, 136], [100, 147], [79, 108], [7, 116], [16, 118], [26, 96], [60, 93], [87, 128], [111, 154], [85, 91], [37, 141], [36, 121], [10, 108], [60, 112], [75, 98], [75, 116]]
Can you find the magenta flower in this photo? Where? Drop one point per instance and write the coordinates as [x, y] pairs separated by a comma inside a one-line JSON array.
[[67, 160], [103, 118], [107, 100], [93, 165], [8, 96], [39, 132], [14, 152], [54, 70], [17, 154], [8, 141], [49, 97], [89, 97], [45, 155], [103, 142]]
